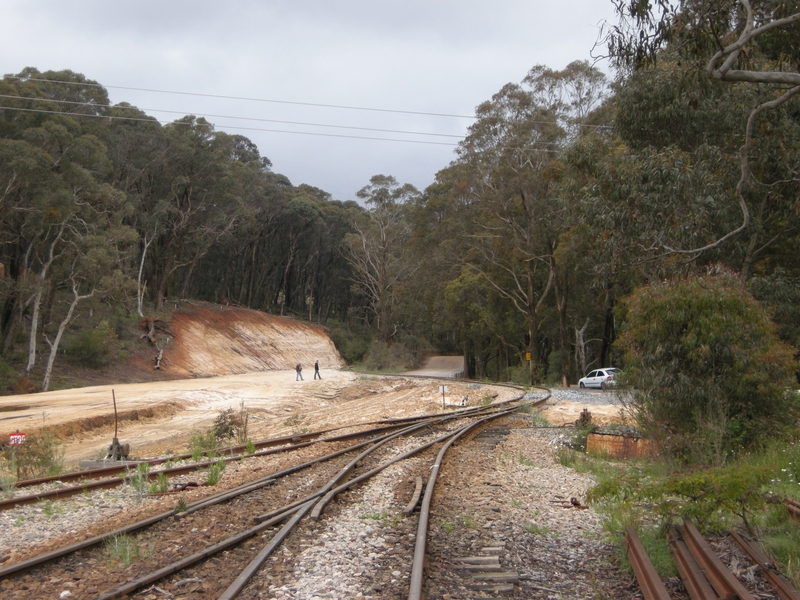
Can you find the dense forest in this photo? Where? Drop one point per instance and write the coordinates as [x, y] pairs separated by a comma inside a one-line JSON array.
[[568, 193]]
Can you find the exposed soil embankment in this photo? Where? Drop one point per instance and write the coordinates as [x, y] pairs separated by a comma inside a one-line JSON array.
[[254, 353], [225, 340]]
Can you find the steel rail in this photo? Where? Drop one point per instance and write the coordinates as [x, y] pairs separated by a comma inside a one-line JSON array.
[[299, 513], [782, 586], [68, 492], [356, 480], [236, 587], [412, 504], [295, 440], [299, 508], [245, 575], [793, 507], [366, 475], [208, 501], [193, 558], [692, 576], [719, 576], [418, 565], [299, 440], [222, 496], [650, 583], [290, 470]]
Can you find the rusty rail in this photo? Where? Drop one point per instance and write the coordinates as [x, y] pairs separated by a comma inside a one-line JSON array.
[[412, 504], [649, 582], [418, 564], [75, 490], [286, 512], [719, 576], [207, 501], [793, 507], [692, 576], [782, 585], [304, 440]]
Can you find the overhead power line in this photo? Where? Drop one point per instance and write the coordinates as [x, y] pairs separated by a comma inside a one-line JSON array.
[[266, 100], [211, 125], [225, 97], [176, 112]]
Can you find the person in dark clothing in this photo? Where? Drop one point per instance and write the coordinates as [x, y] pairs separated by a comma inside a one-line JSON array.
[[316, 370], [299, 369]]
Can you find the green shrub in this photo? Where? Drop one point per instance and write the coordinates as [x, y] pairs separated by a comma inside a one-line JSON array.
[[383, 357], [94, 348], [128, 550], [214, 473], [351, 340], [536, 529], [520, 375], [40, 456], [8, 376], [232, 423], [160, 485], [8, 483], [203, 442], [709, 372], [553, 377], [139, 480]]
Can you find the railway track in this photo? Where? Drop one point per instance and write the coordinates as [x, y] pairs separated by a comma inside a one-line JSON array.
[[116, 475], [217, 547], [704, 575]]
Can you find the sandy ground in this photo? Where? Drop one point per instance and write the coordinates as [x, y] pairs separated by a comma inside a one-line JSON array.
[[242, 358], [155, 416], [565, 407], [160, 417]]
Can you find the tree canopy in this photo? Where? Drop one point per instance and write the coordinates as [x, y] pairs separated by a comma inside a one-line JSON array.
[[568, 193]]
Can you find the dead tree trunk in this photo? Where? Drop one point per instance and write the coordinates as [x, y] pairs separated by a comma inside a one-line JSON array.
[[580, 346]]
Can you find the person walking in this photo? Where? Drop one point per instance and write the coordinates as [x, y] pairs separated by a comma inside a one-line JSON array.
[[316, 370], [299, 369]]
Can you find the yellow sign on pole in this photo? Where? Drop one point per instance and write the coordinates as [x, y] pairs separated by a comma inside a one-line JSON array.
[[528, 356]]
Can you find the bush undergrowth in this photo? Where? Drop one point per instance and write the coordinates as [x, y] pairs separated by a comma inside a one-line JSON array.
[[746, 494]]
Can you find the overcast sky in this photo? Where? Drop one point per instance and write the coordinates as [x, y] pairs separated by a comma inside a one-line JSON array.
[[432, 56]]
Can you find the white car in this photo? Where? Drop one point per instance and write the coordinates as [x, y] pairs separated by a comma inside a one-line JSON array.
[[599, 378]]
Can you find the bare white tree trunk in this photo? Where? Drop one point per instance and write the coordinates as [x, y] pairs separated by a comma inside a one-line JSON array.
[[37, 299], [580, 346], [54, 345], [140, 288]]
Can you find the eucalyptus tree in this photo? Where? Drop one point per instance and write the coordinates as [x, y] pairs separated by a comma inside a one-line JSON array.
[[377, 248], [96, 245], [512, 153], [28, 183], [736, 42], [326, 269], [299, 217], [68, 213], [192, 201]]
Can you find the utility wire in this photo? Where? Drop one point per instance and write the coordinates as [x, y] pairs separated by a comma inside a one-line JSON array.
[[176, 112], [211, 126], [340, 106], [386, 110]]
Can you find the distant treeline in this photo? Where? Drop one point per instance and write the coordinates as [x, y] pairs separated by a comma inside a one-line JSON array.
[[566, 195]]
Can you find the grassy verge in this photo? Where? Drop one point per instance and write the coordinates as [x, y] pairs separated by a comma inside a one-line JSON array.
[[746, 494]]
